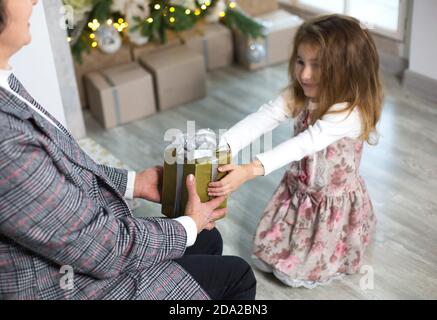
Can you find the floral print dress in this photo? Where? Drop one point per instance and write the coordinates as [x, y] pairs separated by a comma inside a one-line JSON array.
[[318, 223]]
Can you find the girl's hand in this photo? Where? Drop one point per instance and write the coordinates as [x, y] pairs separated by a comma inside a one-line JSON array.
[[237, 175]]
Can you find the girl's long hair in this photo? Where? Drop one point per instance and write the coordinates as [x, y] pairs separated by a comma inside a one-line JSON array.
[[349, 70], [3, 15]]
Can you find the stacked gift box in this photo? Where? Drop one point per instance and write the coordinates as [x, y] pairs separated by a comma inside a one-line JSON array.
[[275, 47], [138, 81], [120, 94], [179, 75], [214, 42], [258, 7], [96, 60], [173, 40], [164, 76]]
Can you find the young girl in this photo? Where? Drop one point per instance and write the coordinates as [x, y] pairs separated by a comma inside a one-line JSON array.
[[317, 225]]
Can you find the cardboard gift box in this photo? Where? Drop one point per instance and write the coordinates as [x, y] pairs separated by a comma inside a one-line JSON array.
[[96, 60], [120, 94], [214, 42], [173, 40], [179, 75], [280, 28], [258, 7], [202, 162]]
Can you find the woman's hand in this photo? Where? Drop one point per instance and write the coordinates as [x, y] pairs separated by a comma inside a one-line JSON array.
[[148, 184], [203, 214], [237, 175]]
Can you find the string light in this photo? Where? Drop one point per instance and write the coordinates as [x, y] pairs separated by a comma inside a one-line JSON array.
[[165, 10], [121, 27], [94, 25]]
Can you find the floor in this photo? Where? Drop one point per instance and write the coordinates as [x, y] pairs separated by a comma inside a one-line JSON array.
[[401, 175]]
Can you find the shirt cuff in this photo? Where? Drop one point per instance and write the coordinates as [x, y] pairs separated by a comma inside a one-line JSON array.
[[190, 227], [264, 159], [129, 194]]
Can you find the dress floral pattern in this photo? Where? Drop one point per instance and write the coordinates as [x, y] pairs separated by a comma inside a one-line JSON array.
[[319, 221]]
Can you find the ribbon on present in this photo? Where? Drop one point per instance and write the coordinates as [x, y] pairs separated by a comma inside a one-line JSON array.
[[205, 51], [198, 148], [115, 95]]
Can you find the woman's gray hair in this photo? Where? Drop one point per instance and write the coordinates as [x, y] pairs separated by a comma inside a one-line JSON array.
[[3, 15]]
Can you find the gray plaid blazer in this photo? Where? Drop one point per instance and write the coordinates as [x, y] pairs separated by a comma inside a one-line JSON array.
[[60, 208]]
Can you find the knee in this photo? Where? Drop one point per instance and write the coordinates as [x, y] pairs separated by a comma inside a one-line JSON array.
[[242, 268], [247, 271], [246, 278], [215, 241]]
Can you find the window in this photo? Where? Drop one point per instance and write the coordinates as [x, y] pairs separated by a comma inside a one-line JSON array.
[[386, 17], [381, 13], [332, 6]]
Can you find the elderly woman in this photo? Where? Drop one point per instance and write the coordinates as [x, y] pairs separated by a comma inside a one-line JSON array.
[[62, 212]]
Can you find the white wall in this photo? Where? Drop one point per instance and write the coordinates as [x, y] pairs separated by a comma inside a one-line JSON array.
[[423, 50], [34, 65]]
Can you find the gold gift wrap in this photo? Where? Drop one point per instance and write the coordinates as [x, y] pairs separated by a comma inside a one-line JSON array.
[[205, 169]]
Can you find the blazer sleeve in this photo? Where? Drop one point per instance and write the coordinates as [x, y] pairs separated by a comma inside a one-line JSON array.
[[117, 176], [44, 212]]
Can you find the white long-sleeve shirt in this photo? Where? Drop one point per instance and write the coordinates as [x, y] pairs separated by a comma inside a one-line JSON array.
[[327, 130], [187, 222]]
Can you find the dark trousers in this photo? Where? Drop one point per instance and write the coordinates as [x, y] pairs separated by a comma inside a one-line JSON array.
[[222, 277]]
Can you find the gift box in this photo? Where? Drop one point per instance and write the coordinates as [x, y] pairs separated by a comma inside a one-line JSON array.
[[179, 75], [187, 155], [280, 28], [120, 94], [173, 40], [258, 7], [97, 60], [214, 42]]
